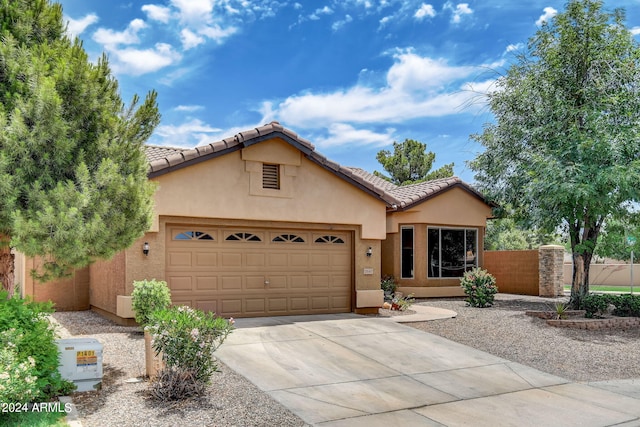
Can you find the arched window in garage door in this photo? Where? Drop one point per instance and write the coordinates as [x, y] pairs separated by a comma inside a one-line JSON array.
[[193, 235]]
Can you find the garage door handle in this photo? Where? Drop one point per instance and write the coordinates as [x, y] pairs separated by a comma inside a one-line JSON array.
[[266, 283]]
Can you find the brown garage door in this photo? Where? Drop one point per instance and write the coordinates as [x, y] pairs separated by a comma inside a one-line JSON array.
[[259, 272]]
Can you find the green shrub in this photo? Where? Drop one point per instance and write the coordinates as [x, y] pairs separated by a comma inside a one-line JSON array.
[[28, 347], [187, 338], [147, 297], [480, 287], [17, 377], [388, 284], [626, 305], [595, 305]]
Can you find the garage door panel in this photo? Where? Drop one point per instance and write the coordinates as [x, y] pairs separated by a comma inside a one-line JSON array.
[[206, 259], [254, 282], [179, 259], [232, 283], [231, 259], [277, 282], [299, 260], [299, 303], [206, 283], [231, 305], [181, 283], [277, 304], [320, 303], [320, 260], [255, 260], [299, 281], [340, 282], [320, 281], [254, 305], [278, 260], [207, 305]]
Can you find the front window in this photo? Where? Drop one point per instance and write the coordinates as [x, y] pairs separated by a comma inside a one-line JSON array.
[[451, 251], [406, 255]]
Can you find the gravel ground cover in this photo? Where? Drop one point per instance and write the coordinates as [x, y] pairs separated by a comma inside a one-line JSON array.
[[231, 399], [503, 330]]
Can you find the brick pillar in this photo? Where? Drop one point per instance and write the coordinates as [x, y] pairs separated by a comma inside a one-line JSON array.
[[551, 260]]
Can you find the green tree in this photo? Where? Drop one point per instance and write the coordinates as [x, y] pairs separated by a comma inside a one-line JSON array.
[[613, 239], [504, 234], [564, 148], [73, 185], [410, 163]]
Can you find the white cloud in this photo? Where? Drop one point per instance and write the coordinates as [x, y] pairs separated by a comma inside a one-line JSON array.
[[459, 11], [514, 47], [109, 37], [426, 10], [339, 24], [341, 134], [194, 11], [549, 13], [635, 31], [189, 108], [417, 87], [217, 33], [188, 134], [157, 13], [143, 61], [324, 11], [190, 39], [75, 27]]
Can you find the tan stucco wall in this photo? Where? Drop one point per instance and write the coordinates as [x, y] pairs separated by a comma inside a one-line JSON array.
[[68, 293], [107, 281], [220, 187], [453, 208]]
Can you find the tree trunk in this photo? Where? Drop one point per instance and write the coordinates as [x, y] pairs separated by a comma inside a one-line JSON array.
[[6, 270], [580, 282]]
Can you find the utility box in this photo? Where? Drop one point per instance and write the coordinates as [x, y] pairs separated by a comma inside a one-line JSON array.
[[80, 361]]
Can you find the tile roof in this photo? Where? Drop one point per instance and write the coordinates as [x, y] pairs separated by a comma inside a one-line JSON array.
[[167, 159]]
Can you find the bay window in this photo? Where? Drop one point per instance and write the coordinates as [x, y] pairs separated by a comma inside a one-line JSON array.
[[451, 251]]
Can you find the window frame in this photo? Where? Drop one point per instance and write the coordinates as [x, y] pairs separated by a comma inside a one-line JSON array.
[[466, 266], [413, 251]]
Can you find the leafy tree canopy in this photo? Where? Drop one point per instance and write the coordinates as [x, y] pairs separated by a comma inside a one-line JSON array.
[[410, 163], [565, 149], [73, 184]]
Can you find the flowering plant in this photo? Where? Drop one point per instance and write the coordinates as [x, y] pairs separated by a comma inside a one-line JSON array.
[[17, 377], [187, 338], [479, 286]]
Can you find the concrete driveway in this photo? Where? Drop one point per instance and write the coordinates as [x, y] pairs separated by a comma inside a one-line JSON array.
[[350, 370]]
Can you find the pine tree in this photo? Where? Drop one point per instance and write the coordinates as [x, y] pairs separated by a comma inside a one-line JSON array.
[[73, 184]]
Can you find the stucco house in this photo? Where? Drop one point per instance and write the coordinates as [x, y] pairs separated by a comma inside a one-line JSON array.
[[261, 224]]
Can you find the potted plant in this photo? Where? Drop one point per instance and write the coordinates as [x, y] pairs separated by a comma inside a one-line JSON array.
[[149, 296], [388, 286]]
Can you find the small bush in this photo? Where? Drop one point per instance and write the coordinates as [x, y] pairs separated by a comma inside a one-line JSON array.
[[187, 338], [176, 384], [480, 287], [147, 297], [595, 305], [626, 305], [388, 284], [404, 303], [28, 352]]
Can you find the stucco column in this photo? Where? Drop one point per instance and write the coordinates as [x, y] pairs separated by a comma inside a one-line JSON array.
[[551, 279]]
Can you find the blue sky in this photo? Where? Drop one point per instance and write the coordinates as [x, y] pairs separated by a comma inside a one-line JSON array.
[[351, 76]]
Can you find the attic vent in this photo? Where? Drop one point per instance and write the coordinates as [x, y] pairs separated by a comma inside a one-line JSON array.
[[271, 176]]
